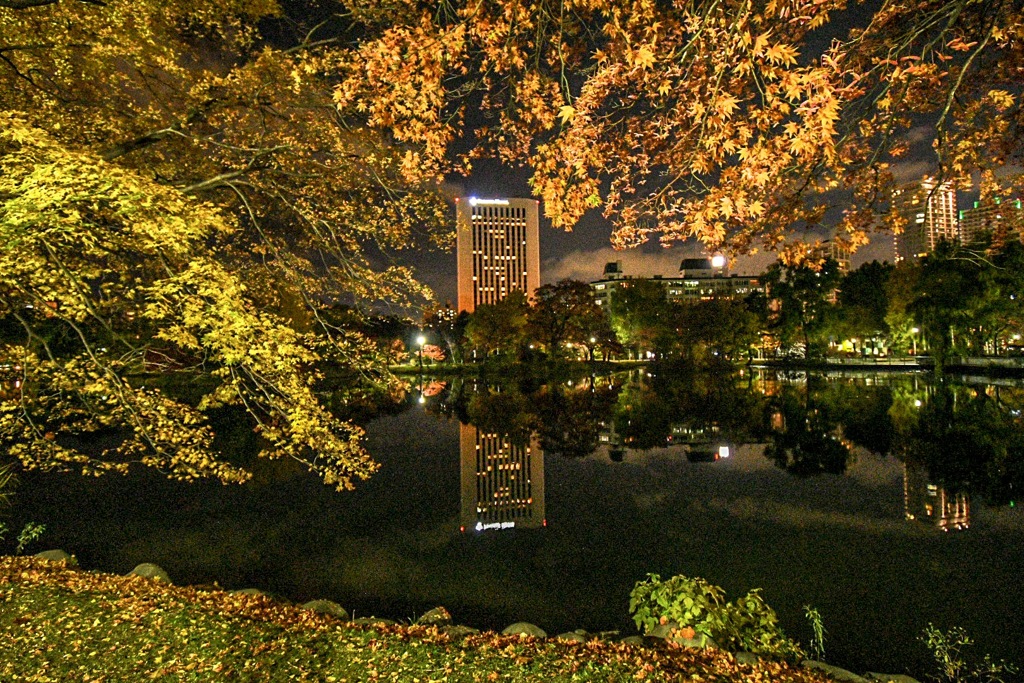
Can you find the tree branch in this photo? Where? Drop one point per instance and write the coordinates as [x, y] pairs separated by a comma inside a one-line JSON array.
[[130, 146], [29, 4], [216, 181]]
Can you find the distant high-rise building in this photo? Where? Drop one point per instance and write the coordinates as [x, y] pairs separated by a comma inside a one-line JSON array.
[[987, 218], [831, 249], [929, 208], [498, 247], [502, 482]]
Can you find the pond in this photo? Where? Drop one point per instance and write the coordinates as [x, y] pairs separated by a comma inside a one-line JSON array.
[[887, 502]]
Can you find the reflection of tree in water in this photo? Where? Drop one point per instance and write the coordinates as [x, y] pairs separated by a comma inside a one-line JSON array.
[[804, 437], [862, 413], [650, 409], [967, 439], [971, 441], [503, 411], [570, 419], [813, 427], [567, 417], [641, 418]]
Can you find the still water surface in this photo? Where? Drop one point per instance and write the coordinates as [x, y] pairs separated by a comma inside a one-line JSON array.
[[887, 502]]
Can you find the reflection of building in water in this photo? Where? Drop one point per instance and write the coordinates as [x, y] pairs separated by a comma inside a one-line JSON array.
[[703, 442], [608, 436], [926, 502], [502, 484]]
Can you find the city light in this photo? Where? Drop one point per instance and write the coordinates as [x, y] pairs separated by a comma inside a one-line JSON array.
[[717, 261], [473, 201]]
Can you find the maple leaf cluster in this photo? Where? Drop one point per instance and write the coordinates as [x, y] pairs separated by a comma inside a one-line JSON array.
[[716, 121]]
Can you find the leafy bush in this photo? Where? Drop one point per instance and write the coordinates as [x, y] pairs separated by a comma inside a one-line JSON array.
[[687, 601], [30, 533], [748, 624], [947, 648]]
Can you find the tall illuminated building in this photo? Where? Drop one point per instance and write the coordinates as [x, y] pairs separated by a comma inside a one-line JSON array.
[[502, 483], [498, 248], [929, 209]]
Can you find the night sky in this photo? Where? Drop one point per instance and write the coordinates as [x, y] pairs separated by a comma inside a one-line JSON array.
[[582, 253]]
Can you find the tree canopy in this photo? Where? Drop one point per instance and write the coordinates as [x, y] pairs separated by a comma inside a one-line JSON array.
[[191, 185], [726, 121], [178, 191]]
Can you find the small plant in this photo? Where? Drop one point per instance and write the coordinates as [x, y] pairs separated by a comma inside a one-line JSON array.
[[818, 628], [748, 624], [30, 533], [6, 481], [947, 648]]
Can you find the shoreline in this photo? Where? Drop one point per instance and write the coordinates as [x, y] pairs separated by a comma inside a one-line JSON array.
[[50, 586]]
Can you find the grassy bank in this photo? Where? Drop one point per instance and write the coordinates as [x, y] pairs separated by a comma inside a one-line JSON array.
[[61, 624]]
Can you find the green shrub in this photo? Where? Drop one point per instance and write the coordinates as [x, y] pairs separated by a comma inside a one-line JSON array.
[[687, 601], [748, 624], [30, 533], [947, 648]]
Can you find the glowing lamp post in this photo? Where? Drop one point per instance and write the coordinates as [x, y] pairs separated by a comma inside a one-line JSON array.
[[913, 338], [717, 261], [420, 341]]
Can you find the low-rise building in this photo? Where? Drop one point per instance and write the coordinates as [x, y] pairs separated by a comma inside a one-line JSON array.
[[699, 279]]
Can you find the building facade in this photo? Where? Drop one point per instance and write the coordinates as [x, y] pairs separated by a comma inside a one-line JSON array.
[[698, 280], [498, 249], [989, 218], [930, 211]]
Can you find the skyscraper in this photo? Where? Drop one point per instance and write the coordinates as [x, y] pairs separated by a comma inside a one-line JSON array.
[[498, 247], [929, 208]]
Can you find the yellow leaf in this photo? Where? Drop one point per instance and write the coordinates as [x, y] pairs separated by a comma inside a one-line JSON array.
[[567, 113], [644, 57]]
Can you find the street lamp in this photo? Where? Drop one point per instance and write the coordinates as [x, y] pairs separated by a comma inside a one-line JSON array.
[[421, 340], [913, 338]]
